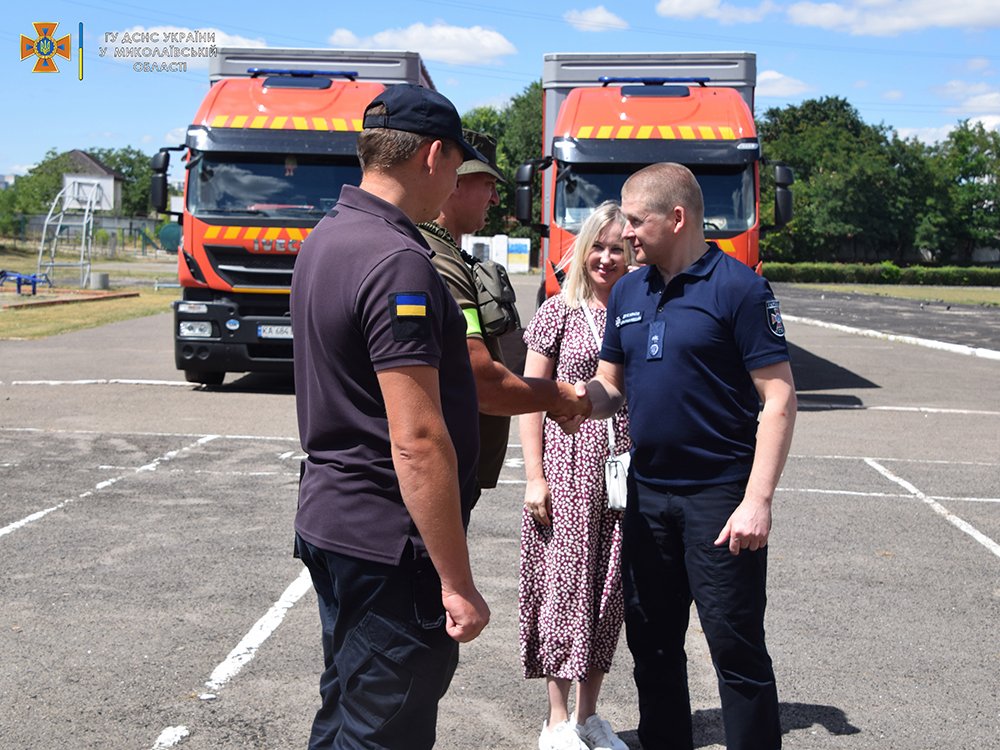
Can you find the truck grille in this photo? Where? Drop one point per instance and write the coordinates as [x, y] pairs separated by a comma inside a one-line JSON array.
[[239, 268]]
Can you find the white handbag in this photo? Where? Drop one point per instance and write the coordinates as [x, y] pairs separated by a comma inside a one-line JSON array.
[[616, 466]]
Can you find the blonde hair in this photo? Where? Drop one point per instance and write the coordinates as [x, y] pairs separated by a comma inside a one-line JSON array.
[[578, 286]]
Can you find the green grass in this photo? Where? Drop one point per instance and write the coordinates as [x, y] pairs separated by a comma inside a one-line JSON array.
[[952, 295], [50, 320]]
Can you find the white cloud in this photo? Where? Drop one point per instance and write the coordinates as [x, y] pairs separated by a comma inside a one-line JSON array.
[[882, 18], [176, 136], [344, 38], [724, 13], [987, 103], [980, 65], [974, 101], [929, 136], [20, 169], [774, 84], [440, 42], [990, 122], [892, 95], [168, 37], [594, 19], [961, 89]]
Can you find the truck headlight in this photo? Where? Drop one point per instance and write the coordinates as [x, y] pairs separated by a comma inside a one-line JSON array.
[[198, 308], [198, 329]]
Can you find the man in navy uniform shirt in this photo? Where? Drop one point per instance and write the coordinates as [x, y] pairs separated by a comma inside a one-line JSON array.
[[387, 415], [696, 344]]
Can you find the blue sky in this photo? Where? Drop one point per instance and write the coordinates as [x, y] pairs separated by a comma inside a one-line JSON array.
[[918, 66]]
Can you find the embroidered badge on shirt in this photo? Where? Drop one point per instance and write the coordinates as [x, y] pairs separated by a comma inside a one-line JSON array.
[[629, 317], [774, 321], [408, 311]]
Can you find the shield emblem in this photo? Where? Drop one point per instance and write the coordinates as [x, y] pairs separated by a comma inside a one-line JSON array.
[[774, 321]]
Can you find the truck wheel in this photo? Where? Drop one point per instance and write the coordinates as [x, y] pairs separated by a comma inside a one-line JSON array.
[[205, 378]]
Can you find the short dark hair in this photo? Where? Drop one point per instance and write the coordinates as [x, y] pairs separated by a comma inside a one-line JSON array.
[[380, 149], [665, 185]]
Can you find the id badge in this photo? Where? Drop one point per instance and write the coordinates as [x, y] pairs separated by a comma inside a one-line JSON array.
[[654, 347]]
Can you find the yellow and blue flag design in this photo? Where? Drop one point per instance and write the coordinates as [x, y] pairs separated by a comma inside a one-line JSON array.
[[412, 305]]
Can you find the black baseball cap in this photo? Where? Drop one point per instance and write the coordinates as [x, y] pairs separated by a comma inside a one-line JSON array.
[[420, 110]]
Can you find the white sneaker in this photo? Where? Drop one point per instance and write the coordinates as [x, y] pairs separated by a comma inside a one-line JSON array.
[[562, 736], [597, 735]]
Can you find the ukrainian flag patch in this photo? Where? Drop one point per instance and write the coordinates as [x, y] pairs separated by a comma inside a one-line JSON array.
[[410, 305], [408, 311]]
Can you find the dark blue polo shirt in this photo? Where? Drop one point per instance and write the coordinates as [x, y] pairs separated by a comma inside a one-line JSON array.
[[692, 404], [366, 298]]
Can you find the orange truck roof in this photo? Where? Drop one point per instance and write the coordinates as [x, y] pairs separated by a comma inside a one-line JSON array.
[[249, 103], [613, 112]]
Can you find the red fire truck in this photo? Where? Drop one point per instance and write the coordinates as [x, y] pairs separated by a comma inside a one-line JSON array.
[[607, 115], [265, 157]]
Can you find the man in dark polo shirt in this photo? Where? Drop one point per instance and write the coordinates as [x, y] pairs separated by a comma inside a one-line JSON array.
[[387, 410], [697, 347], [501, 393]]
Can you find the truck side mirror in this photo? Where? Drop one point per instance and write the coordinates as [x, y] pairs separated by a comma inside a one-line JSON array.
[[783, 178], [523, 179], [158, 184]]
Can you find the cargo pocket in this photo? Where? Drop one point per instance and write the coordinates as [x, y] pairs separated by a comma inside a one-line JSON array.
[[382, 662]]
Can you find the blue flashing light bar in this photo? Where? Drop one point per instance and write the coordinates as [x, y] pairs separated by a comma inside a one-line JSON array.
[[605, 80], [351, 75]]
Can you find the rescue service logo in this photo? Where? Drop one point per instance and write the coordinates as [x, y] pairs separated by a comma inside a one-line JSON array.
[[45, 47], [774, 321]]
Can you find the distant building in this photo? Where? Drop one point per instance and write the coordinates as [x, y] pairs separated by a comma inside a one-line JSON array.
[[86, 166]]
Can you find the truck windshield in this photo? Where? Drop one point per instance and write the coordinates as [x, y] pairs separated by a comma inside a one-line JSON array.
[[728, 191], [274, 185]]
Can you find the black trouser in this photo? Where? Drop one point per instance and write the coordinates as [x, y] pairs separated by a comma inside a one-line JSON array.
[[668, 559], [388, 659]]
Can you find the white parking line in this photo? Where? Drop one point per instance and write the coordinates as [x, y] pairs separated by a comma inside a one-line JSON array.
[[151, 466], [262, 629], [244, 652], [954, 520], [973, 351], [169, 737], [111, 381]]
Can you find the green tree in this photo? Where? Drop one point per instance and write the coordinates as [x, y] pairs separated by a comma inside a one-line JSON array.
[[490, 121], [518, 129], [855, 182], [133, 166], [35, 191], [966, 212]]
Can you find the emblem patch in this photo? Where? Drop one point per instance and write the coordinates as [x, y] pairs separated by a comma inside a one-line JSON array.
[[408, 312], [774, 321]]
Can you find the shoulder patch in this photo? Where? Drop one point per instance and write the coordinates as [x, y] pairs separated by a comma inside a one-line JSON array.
[[408, 311], [774, 321]]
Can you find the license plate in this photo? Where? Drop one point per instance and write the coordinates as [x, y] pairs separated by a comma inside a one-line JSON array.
[[274, 332]]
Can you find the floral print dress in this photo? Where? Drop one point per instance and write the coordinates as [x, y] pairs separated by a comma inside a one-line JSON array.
[[570, 607]]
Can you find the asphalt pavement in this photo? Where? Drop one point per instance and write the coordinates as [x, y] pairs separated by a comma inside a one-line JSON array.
[[148, 598]]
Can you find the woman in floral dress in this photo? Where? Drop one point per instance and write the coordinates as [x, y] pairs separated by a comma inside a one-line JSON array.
[[570, 595]]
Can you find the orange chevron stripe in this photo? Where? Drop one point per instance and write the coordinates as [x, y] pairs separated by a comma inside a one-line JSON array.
[[685, 132], [282, 122]]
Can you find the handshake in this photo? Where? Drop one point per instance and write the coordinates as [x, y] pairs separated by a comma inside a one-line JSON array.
[[572, 407]]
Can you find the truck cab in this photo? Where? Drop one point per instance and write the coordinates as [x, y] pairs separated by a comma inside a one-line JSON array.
[[265, 158], [607, 116]]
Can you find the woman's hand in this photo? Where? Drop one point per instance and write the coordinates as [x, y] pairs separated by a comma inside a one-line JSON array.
[[538, 501]]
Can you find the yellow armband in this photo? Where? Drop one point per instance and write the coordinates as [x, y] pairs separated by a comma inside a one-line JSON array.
[[472, 324]]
